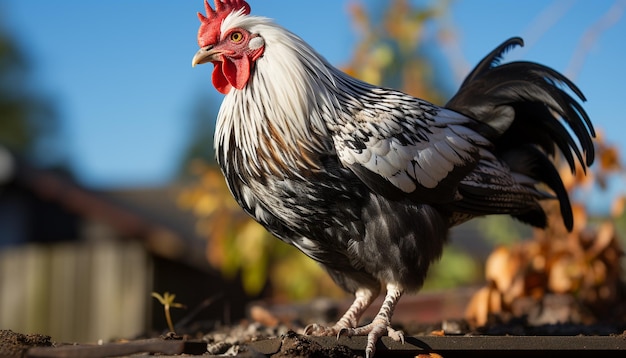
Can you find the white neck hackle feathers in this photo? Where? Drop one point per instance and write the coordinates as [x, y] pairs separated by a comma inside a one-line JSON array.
[[288, 103]]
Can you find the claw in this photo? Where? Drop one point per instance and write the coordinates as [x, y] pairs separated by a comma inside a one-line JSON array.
[[308, 330], [315, 329], [363, 298], [379, 327], [344, 331], [396, 335]]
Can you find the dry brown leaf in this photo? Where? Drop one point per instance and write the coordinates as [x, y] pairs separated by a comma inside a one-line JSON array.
[[438, 333], [617, 207], [500, 268], [263, 316], [484, 302], [560, 277], [609, 159], [604, 236], [429, 355]]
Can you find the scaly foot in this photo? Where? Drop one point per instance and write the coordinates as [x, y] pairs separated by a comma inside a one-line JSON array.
[[381, 325], [363, 298], [378, 328]]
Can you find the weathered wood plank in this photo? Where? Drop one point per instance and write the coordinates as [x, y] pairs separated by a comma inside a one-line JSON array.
[[487, 346]]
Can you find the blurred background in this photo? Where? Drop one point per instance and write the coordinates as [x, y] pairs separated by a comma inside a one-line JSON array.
[[108, 189]]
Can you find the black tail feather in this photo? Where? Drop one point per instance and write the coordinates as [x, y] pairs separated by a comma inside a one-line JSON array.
[[530, 161], [522, 104], [491, 86], [554, 133], [493, 59]]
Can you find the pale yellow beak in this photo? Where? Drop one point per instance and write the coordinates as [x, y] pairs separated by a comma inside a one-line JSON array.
[[204, 55]]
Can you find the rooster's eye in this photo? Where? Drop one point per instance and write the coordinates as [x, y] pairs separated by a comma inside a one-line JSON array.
[[236, 36]]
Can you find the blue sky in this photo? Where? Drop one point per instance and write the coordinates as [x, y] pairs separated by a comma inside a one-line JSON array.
[[119, 71]]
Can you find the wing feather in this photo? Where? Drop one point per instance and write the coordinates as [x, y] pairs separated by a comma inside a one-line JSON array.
[[414, 149]]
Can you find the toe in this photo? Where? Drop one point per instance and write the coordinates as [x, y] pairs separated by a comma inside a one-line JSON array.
[[317, 330], [396, 335]]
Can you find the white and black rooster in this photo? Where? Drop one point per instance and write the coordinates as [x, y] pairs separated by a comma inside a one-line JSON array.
[[367, 180]]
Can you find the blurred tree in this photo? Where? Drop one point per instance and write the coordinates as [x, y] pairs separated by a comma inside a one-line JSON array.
[[391, 50], [203, 112], [27, 121]]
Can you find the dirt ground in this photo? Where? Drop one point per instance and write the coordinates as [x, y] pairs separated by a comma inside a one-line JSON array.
[[254, 340], [14, 344], [264, 335]]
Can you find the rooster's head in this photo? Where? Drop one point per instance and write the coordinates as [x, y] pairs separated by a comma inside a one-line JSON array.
[[232, 51]]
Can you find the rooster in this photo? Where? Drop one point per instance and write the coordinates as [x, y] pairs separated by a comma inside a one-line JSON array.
[[367, 180]]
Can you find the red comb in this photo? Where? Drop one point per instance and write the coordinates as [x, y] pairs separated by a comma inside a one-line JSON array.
[[209, 32]]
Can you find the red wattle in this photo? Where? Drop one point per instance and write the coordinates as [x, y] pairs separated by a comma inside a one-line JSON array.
[[231, 72], [219, 80], [237, 71]]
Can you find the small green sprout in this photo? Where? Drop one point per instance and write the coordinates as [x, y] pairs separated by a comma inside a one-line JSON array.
[[167, 300]]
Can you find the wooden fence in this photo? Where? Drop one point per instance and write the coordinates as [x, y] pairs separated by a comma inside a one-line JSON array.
[[76, 292]]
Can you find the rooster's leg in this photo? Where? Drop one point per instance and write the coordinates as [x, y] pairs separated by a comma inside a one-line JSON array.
[[381, 325], [363, 299]]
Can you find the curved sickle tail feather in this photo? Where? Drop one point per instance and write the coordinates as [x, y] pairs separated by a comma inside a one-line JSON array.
[[521, 104]]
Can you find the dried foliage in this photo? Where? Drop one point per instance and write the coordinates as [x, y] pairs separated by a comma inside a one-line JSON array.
[[583, 264]]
